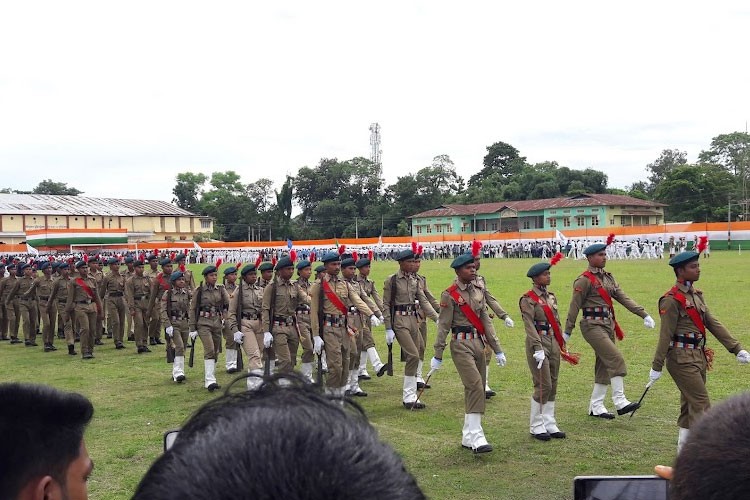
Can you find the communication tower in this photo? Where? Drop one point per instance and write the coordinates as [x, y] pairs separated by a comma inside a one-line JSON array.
[[375, 150]]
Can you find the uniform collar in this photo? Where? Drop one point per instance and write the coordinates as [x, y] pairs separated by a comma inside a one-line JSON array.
[[685, 286], [463, 286], [540, 290], [402, 274], [596, 270]]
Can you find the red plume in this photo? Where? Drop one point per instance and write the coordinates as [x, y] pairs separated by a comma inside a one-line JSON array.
[[172, 255], [273, 261], [312, 257], [156, 252], [414, 247], [218, 263], [476, 246], [85, 257], [342, 249], [258, 261], [182, 268], [369, 254], [610, 238], [293, 255], [186, 251], [556, 258], [702, 243], [142, 257], [51, 258], [238, 266], [419, 250], [355, 256]]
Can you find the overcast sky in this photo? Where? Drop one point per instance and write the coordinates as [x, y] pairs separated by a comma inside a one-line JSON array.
[[116, 98]]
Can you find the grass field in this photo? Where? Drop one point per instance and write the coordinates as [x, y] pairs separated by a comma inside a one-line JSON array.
[[136, 401]]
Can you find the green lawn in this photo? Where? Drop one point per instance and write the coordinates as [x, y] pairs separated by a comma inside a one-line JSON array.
[[136, 401]]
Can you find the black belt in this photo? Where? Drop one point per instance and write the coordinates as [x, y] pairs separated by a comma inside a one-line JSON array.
[[289, 320], [334, 320], [114, 294], [178, 318], [140, 297], [463, 329], [83, 302], [25, 298], [595, 312], [252, 316], [404, 307], [695, 339], [43, 298]]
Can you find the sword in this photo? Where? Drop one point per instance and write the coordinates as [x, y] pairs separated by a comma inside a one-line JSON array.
[[320, 369], [192, 353], [648, 386], [390, 360], [421, 391]]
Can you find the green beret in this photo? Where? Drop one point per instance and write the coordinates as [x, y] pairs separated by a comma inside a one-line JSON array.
[[330, 257], [209, 270], [321, 268], [129, 260], [537, 269], [55, 264], [175, 276], [10, 266], [80, 264], [404, 255], [179, 257], [43, 266], [461, 260], [165, 262], [683, 258], [362, 263], [266, 266], [94, 260], [112, 260], [137, 263], [250, 268], [595, 248], [151, 257], [230, 270], [303, 264], [63, 265], [347, 262], [284, 262]]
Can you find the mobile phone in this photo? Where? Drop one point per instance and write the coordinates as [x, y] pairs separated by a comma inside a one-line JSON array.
[[169, 438], [620, 488]]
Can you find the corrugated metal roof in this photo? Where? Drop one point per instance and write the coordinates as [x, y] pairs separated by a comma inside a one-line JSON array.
[[47, 204], [584, 200]]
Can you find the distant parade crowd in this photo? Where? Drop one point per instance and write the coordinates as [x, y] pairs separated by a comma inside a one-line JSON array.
[[261, 316]]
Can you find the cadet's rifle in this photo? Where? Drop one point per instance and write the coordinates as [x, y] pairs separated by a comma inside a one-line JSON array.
[[240, 363], [199, 292], [271, 310], [169, 338], [321, 320]]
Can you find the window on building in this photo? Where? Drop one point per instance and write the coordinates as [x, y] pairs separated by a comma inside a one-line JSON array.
[[527, 224], [552, 222], [594, 220], [419, 229], [594, 209], [493, 226], [205, 223], [552, 212], [580, 211], [429, 228], [581, 221], [566, 221], [612, 221], [448, 228], [566, 211]]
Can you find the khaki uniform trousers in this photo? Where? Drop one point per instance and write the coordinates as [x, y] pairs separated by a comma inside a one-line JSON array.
[[337, 346], [116, 317], [229, 337], [154, 322], [47, 315], [357, 341], [423, 334], [367, 338], [609, 361], [544, 380], [3, 322], [468, 357], [66, 323], [284, 338], [209, 331], [85, 315], [179, 336], [410, 340], [688, 369], [28, 310], [305, 337], [140, 321], [13, 316], [251, 328]]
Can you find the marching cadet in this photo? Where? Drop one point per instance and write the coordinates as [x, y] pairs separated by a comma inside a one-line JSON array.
[[3, 314], [153, 317], [43, 285], [128, 273], [175, 305], [685, 317], [593, 292], [95, 272], [58, 313], [400, 294], [544, 345], [58, 300], [84, 303], [244, 320], [463, 315], [266, 274], [23, 290], [369, 351], [281, 299], [320, 270], [496, 308], [137, 296], [11, 307], [420, 318], [304, 271], [179, 261], [332, 299], [207, 307], [112, 291], [159, 284], [230, 285]]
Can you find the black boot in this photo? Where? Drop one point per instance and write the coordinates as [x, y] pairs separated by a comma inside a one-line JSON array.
[[72, 350]]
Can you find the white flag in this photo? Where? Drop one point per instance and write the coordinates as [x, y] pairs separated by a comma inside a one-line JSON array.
[[31, 250], [196, 246], [560, 237]]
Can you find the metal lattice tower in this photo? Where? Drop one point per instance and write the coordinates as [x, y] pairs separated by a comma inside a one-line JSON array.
[[375, 150]]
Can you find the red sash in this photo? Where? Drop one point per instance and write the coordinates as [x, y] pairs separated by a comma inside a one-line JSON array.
[[466, 309], [163, 283], [570, 358], [89, 292], [335, 300], [604, 294], [697, 320]]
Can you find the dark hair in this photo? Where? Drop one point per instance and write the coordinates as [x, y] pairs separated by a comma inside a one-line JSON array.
[[713, 462], [286, 439], [42, 429]]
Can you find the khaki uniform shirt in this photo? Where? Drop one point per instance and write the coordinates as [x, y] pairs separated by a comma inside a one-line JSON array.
[[252, 302], [78, 299], [289, 296], [138, 292], [43, 286], [451, 315], [60, 290], [112, 282], [213, 299], [368, 286], [159, 284], [150, 272], [176, 302], [532, 313], [21, 288], [430, 298], [343, 290], [408, 292]]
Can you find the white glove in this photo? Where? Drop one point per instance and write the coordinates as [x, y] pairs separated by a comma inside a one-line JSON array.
[[267, 340], [435, 364], [566, 337], [653, 375], [239, 337], [389, 336], [743, 357], [649, 322], [500, 357], [436, 319], [374, 320], [509, 322], [169, 330], [193, 335], [317, 345], [539, 356]]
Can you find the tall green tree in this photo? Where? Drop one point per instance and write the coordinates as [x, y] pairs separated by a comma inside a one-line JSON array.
[[696, 192], [48, 186], [502, 159], [668, 160], [188, 190]]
